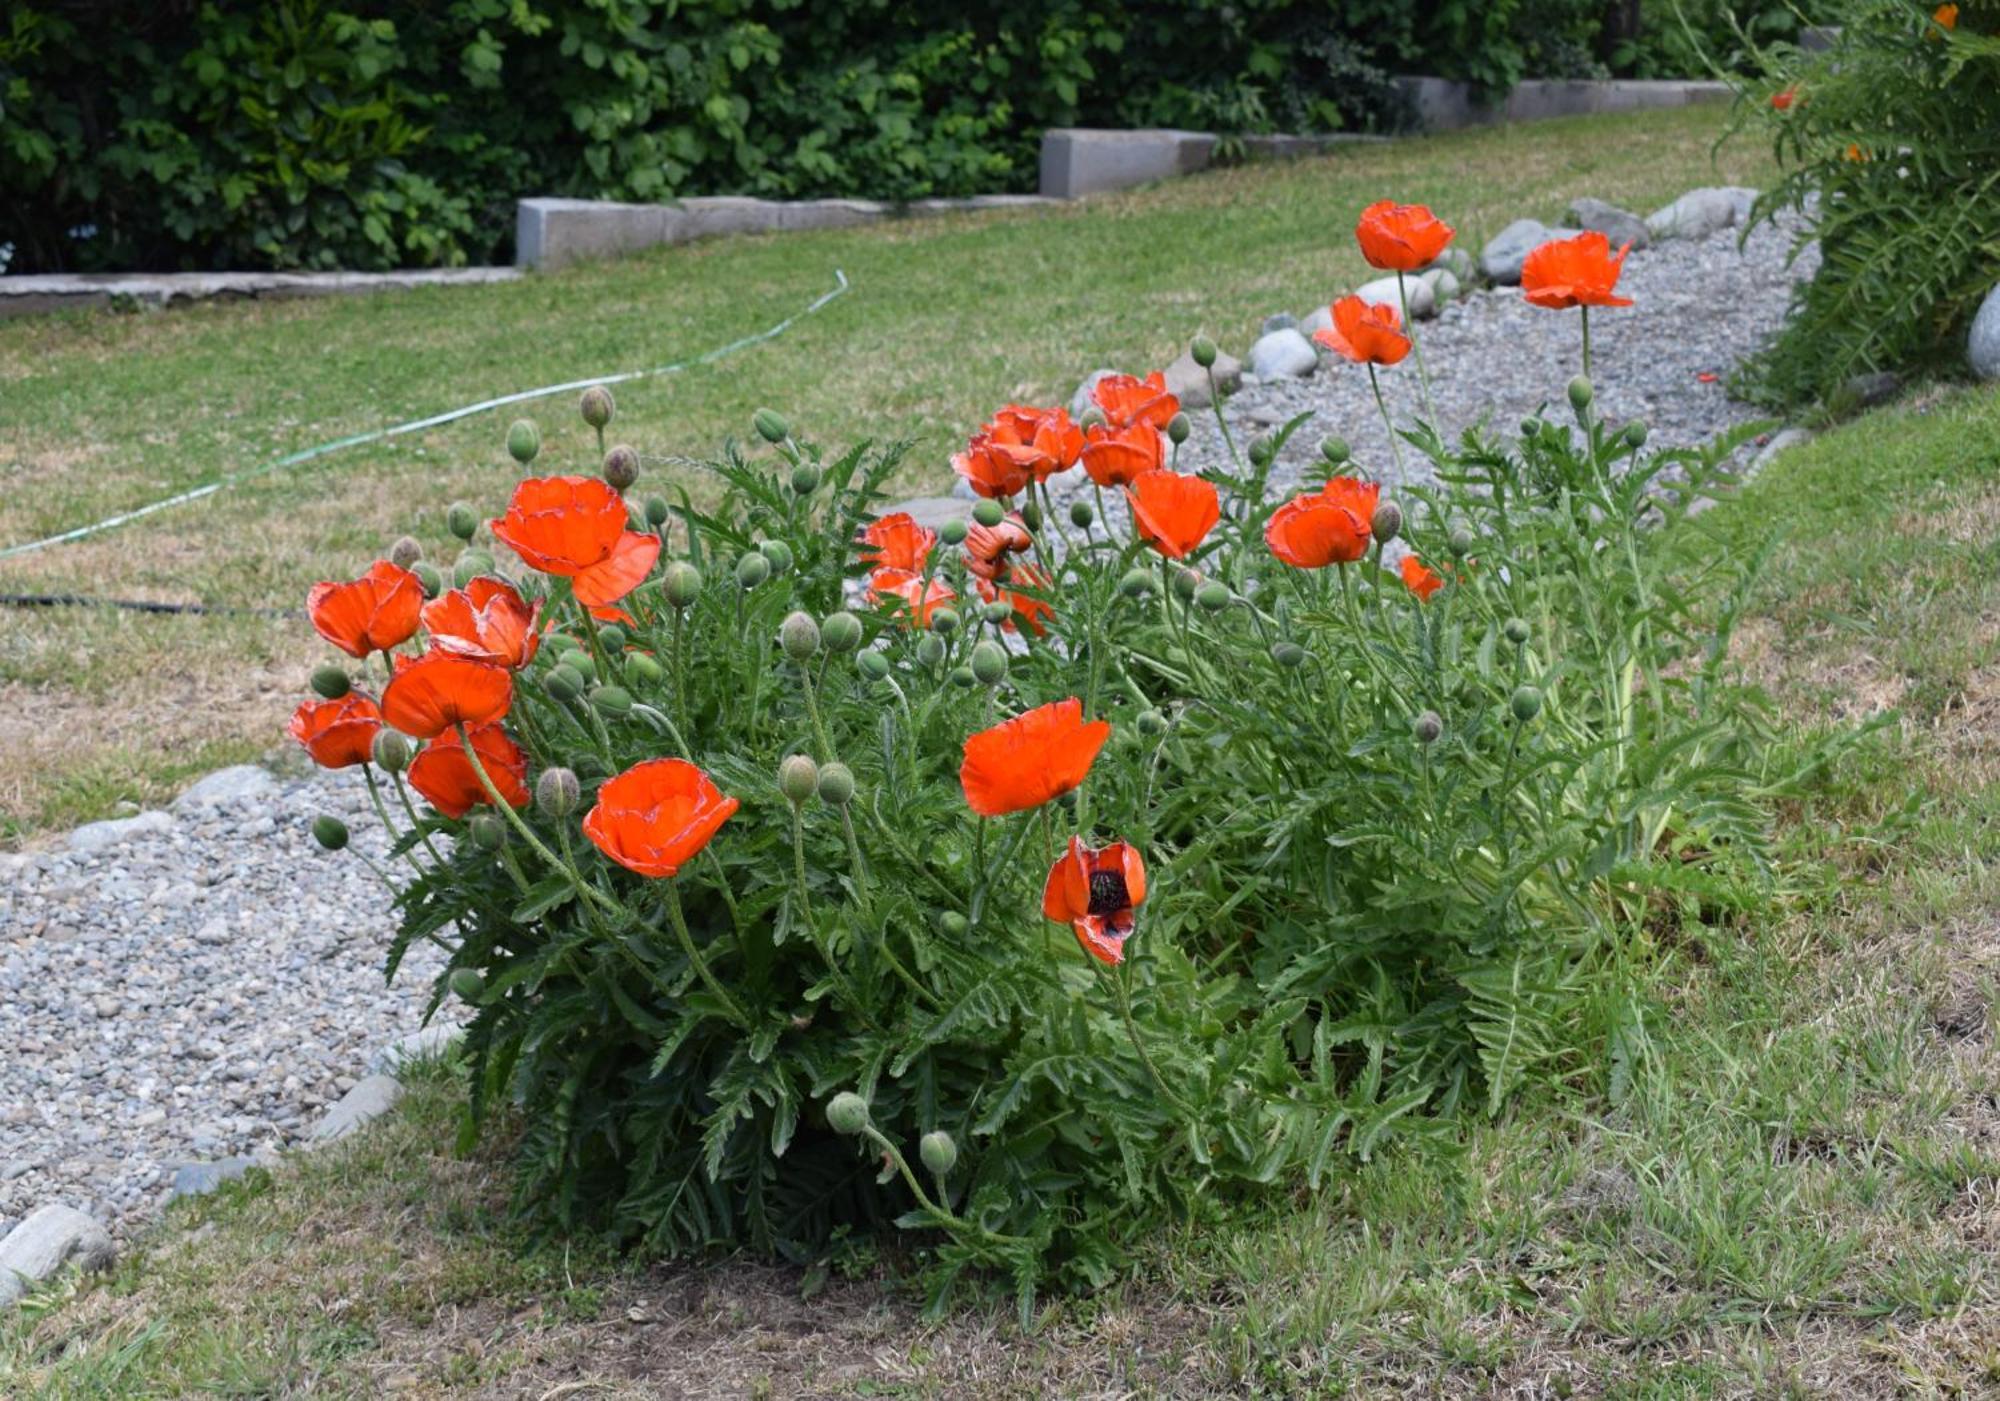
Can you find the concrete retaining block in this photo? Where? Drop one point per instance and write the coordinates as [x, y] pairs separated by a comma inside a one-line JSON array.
[[1086, 161], [45, 292]]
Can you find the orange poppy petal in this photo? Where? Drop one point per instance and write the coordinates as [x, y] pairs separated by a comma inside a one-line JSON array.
[[622, 571]]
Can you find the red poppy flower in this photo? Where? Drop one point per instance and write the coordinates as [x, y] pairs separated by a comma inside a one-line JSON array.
[[1420, 579], [890, 587], [1401, 237], [1782, 100], [987, 546], [611, 613], [1095, 891], [1042, 440], [1945, 16], [441, 689], [1031, 759], [337, 733], [657, 816], [898, 543], [1173, 513], [1126, 400], [370, 614], [990, 471], [574, 527], [1579, 271], [1120, 456], [1364, 332], [487, 619], [1028, 608], [445, 776], [1330, 526]]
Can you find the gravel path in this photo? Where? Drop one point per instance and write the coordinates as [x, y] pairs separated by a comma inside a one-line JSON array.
[[187, 986]]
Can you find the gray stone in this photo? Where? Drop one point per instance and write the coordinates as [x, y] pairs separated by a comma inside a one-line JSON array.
[[1080, 402], [1278, 321], [1444, 285], [96, 836], [1982, 344], [1457, 261], [1500, 260], [930, 511], [199, 1179], [1319, 320], [51, 1237], [1281, 353], [1699, 213], [433, 1042], [1079, 161], [1383, 291], [228, 785], [1871, 389], [1620, 226], [370, 1099], [1189, 382]]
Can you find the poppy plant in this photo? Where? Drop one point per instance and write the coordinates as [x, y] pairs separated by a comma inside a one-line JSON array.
[[574, 528], [1028, 608], [1044, 441], [1031, 759], [1330, 526], [487, 619], [378, 611], [1419, 578], [918, 600], [657, 816], [1579, 271], [1784, 98], [337, 733], [1095, 891], [897, 542], [448, 782], [1127, 401], [1365, 332], [1173, 513], [1945, 16], [1120, 456], [1401, 237], [441, 689], [987, 546], [990, 470]]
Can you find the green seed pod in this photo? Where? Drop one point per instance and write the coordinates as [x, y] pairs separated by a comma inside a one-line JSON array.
[[524, 441], [939, 1153], [611, 638], [428, 577], [681, 584], [641, 670], [330, 682], [1137, 583], [1427, 727], [798, 778], [952, 924], [488, 832], [469, 565], [998, 611], [614, 701], [1516, 630], [873, 665], [752, 570], [963, 677], [1460, 542], [1387, 523], [836, 785], [944, 621], [778, 552], [1202, 351], [404, 551], [557, 792], [930, 649], [805, 479], [1335, 450], [1530, 427], [390, 751], [952, 532], [564, 684], [1635, 433], [1081, 514], [771, 425], [1261, 450], [621, 467], [657, 511], [988, 512], [1288, 654], [1580, 393], [847, 1113], [1093, 417], [1031, 515], [329, 831], [1186, 581], [799, 636], [1178, 429], [1151, 722], [1212, 597], [595, 405], [989, 663], [841, 632], [1526, 703], [461, 520], [467, 983]]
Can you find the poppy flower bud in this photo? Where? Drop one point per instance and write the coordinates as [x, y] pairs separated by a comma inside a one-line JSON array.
[[771, 425], [1137, 583], [1427, 727], [1202, 352], [799, 636], [944, 620], [329, 831], [1178, 429], [1635, 433], [1530, 427], [1516, 630], [524, 441], [469, 565], [681, 584], [752, 570], [798, 778], [612, 700], [873, 665], [467, 983], [1261, 450], [1151, 722], [1081, 514], [930, 649], [1579, 393], [1460, 542], [847, 1113], [390, 750], [461, 520], [595, 405], [428, 578], [611, 638], [1093, 417], [1287, 654], [963, 677], [938, 1151], [988, 512], [841, 632], [1387, 523], [998, 611], [1213, 596], [405, 551], [952, 532], [836, 785], [621, 467], [1186, 581], [557, 792], [1031, 515], [1334, 450], [805, 479], [564, 684], [953, 924], [642, 670], [778, 553], [489, 833], [1526, 704], [330, 682]]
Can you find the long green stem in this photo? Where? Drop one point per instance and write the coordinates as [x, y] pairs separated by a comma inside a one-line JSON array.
[[1410, 330], [1117, 979], [535, 843], [1388, 423], [701, 968]]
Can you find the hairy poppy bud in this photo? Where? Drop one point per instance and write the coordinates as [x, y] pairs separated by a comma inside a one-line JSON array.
[[621, 467], [1213, 596], [752, 570], [836, 785], [988, 512], [467, 983], [564, 684], [944, 620], [390, 750], [989, 663], [461, 520], [841, 632], [1530, 427], [469, 565], [1387, 523], [642, 670], [614, 701], [847, 1113], [1151, 722], [952, 532], [771, 425], [1287, 654], [611, 638], [798, 778], [998, 611], [489, 833], [1031, 515], [1137, 583], [1526, 704], [1427, 727], [681, 584], [953, 924], [524, 441], [799, 636], [1516, 630], [405, 551], [595, 405], [1093, 417], [557, 792], [1081, 514], [1186, 581], [329, 682], [1635, 433], [1334, 450], [778, 553], [1460, 542], [1261, 450], [805, 479], [428, 578], [1178, 429], [963, 677], [1580, 393], [1202, 351], [873, 665], [930, 649], [329, 831], [657, 511], [939, 1153]]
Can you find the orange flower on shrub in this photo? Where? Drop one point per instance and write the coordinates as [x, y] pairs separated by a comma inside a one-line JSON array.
[[1364, 332], [887, 587], [1126, 400], [987, 546], [337, 733], [1031, 759], [1173, 513], [1945, 16], [1028, 608], [1579, 271], [1120, 456], [487, 619], [656, 817], [1401, 237], [575, 528], [445, 777], [1045, 441], [1095, 891], [440, 690], [1330, 526], [1420, 579], [1783, 99], [378, 611], [898, 542]]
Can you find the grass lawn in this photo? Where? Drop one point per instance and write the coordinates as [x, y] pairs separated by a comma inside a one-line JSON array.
[[948, 319], [1799, 1195]]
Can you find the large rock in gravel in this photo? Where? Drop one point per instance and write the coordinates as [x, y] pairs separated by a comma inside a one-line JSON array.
[[367, 1101], [1079, 402], [1283, 353], [1384, 292], [1456, 261], [49, 1239], [1188, 381], [1500, 260], [199, 1179], [1699, 213], [1982, 346], [96, 836], [230, 785], [930, 511], [1621, 226]]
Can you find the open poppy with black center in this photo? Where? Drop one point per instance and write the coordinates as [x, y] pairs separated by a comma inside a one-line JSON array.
[[1095, 890]]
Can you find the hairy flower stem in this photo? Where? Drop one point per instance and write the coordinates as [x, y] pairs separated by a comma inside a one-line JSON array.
[[1395, 447], [583, 887], [825, 755], [1410, 330], [1586, 340], [1117, 979], [701, 968], [1215, 402]]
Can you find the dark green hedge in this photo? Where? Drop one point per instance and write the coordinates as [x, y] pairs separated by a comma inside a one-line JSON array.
[[382, 133]]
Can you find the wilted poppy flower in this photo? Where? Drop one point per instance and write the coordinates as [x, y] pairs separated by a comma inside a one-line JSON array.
[[445, 777], [1120, 456], [887, 587], [1365, 332], [1028, 608], [1044, 441], [1783, 99], [1578, 271], [574, 527], [1095, 890], [337, 733], [897, 542], [1173, 513], [370, 614], [1419, 578], [1126, 400], [487, 619], [1328, 526], [987, 546], [657, 816], [1031, 759], [441, 689], [1401, 237]]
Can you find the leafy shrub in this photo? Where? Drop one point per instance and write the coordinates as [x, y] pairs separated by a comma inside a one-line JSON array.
[[1078, 867]]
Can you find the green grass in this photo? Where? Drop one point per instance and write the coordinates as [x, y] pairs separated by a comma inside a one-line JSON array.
[[1795, 1197], [947, 319]]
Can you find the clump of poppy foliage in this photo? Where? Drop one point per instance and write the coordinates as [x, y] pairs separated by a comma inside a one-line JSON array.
[[1025, 878]]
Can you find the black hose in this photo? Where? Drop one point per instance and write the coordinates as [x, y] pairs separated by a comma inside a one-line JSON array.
[[141, 605]]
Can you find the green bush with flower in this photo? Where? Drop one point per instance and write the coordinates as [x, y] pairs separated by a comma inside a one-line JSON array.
[[1021, 883]]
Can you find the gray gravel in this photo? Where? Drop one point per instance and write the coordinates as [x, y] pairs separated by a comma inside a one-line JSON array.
[[195, 986]]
